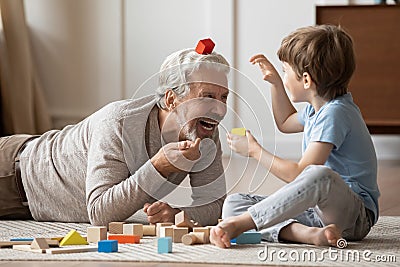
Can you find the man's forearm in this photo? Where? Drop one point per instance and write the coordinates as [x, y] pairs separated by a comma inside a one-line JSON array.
[[159, 167]]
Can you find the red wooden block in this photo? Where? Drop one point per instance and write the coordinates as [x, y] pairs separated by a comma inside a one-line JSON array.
[[205, 46], [125, 239]]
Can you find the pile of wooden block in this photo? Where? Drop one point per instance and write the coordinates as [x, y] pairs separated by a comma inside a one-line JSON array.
[[184, 231]]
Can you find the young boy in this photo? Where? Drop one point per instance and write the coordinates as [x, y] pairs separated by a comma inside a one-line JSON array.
[[332, 191]]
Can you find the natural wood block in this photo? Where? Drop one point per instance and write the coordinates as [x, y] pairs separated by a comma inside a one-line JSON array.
[[194, 238], [116, 227], [183, 220], [53, 242], [28, 248], [133, 229], [166, 231], [178, 232], [10, 244], [39, 243], [204, 230], [66, 250], [56, 238], [159, 225], [149, 230], [96, 233]]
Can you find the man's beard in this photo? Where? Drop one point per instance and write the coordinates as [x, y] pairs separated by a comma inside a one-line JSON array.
[[188, 128], [189, 133]]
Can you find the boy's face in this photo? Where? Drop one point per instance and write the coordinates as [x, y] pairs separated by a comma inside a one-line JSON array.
[[294, 84]]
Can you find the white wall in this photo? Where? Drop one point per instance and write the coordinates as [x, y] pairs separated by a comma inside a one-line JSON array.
[[261, 24], [91, 52], [77, 48]]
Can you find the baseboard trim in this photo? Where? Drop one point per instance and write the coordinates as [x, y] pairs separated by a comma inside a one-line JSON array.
[[387, 147]]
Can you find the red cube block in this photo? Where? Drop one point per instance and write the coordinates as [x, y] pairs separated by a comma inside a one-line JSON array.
[[205, 46]]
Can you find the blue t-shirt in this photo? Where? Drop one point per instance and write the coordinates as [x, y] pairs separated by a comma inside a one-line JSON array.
[[340, 123]]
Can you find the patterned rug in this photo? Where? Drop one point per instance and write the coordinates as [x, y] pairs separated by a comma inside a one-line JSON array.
[[380, 248]]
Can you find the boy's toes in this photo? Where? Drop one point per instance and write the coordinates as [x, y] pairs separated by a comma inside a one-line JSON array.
[[219, 237]]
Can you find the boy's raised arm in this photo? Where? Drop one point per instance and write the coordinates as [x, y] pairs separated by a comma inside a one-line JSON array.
[[285, 114]]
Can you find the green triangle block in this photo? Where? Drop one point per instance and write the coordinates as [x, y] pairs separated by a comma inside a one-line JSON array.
[[73, 238]]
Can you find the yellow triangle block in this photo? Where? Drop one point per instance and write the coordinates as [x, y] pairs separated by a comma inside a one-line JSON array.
[[73, 238], [239, 131]]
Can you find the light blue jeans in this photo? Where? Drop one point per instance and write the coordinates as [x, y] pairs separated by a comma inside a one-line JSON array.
[[317, 197]]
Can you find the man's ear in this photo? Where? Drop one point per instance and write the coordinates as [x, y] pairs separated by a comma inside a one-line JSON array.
[[307, 81], [170, 100]]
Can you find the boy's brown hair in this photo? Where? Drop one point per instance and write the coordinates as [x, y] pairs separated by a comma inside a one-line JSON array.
[[326, 53]]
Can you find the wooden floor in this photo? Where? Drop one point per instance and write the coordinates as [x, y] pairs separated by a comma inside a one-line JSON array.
[[389, 184]]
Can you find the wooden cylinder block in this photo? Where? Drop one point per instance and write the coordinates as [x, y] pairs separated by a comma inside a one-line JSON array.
[[194, 238]]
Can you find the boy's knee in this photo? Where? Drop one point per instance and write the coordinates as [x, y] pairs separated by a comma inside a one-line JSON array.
[[235, 198], [235, 204], [320, 170], [317, 173]]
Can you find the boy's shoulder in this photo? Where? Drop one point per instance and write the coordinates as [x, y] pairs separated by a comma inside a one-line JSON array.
[[340, 112], [341, 106]]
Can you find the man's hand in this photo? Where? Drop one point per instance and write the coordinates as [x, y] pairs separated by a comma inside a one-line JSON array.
[[176, 157], [160, 212]]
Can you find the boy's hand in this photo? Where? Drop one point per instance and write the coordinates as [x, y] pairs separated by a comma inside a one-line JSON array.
[[268, 70], [244, 145]]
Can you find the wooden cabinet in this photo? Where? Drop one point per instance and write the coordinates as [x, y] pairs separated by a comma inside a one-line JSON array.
[[375, 86]]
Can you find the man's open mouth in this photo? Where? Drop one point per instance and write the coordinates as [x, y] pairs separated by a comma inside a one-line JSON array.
[[208, 124]]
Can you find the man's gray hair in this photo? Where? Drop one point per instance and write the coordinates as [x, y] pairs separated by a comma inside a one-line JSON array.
[[177, 67]]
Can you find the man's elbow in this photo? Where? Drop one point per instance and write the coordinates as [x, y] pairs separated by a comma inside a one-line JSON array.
[[96, 218]]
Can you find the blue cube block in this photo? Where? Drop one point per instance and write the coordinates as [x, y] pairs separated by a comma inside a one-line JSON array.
[[107, 246], [164, 245], [249, 238]]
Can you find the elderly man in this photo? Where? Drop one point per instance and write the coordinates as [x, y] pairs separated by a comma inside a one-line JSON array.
[[127, 156]]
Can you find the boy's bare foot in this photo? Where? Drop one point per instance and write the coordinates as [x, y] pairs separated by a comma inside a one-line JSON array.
[[326, 236], [229, 228]]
